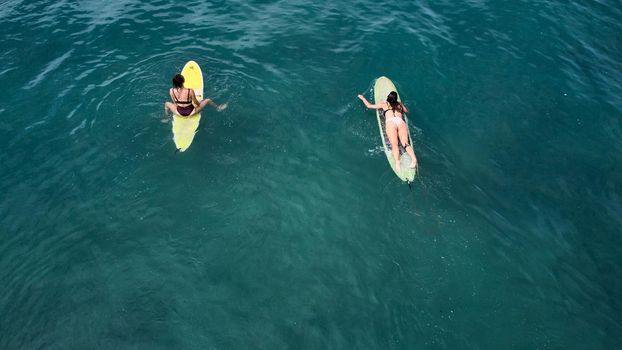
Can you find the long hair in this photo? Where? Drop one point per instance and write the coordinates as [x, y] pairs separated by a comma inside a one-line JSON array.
[[394, 103], [178, 81]]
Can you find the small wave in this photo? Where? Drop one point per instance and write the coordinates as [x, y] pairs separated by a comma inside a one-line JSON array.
[[51, 67]]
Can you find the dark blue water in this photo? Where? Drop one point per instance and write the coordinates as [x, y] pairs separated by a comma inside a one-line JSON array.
[[283, 225]]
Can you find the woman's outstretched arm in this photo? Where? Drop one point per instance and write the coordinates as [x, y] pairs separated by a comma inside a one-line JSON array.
[[367, 104]]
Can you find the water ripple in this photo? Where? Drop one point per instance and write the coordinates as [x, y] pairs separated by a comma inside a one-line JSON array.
[[283, 226]]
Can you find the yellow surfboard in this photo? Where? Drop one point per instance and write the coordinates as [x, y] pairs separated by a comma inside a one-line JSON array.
[[382, 88], [184, 128]]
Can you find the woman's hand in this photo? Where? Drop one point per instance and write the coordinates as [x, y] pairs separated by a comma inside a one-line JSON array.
[[222, 107], [367, 104]]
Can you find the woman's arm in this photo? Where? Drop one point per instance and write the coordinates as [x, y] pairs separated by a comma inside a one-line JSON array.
[[194, 98], [367, 104], [404, 108], [170, 92]]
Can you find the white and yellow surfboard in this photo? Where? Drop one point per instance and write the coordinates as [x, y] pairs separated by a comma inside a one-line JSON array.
[[184, 128], [382, 88]]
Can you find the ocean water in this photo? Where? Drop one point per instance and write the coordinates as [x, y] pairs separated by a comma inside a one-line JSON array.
[[283, 227]]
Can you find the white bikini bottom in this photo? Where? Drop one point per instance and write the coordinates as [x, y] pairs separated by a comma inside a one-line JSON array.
[[397, 121]]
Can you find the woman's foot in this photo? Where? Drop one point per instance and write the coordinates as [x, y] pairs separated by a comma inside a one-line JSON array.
[[413, 164], [222, 107], [165, 117]]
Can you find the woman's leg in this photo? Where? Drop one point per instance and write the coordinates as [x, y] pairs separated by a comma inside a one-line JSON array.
[[403, 134], [395, 147], [171, 107], [201, 105]]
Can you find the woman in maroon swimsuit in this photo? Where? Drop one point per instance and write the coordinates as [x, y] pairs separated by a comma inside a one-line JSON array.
[[184, 100]]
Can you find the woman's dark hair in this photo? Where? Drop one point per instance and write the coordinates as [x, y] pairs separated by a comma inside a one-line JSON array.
[[394, 103], [178, 81]]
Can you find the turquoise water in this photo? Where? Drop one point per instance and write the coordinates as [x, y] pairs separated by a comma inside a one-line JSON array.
[[283, 226]]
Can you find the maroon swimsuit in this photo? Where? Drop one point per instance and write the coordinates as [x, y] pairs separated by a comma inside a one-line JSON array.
[[185, 110]]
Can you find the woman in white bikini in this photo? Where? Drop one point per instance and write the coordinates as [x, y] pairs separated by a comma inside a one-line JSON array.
[[396, 128]]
